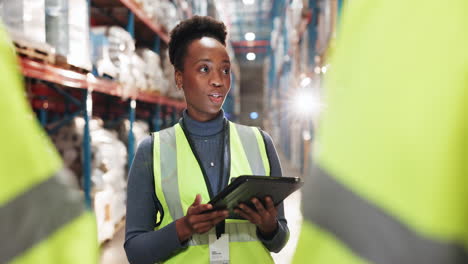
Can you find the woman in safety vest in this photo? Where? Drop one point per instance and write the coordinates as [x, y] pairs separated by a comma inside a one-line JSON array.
[[177, 169]]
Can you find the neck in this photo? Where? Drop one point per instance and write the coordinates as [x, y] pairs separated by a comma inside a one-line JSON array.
[[207, 128]]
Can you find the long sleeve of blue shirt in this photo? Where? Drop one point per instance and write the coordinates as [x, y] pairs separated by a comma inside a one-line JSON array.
[[142, 243]]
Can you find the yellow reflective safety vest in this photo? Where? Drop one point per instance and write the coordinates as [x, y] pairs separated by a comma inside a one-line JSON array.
[[178, 179], [41, 221], [391, 176]]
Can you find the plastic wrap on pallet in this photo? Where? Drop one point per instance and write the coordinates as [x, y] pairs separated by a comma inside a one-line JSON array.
[[148, 7], [68, 141], [275, 32], [138, 67], [112, 46], [114, 55], [109, 160], [100, 56], [108, 178], [140, 131], [25, 17], [78, 33], [153, 71], [109, 207], [125, 76], [109, 154], [165, 13], [57, 25], [171, 88], [200, 7], [325, 26]]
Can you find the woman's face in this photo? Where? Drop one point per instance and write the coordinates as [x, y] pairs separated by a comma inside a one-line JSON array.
[[206, 78]]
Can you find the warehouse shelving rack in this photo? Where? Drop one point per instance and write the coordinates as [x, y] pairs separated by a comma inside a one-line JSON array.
[[299, 56], [78, 88]]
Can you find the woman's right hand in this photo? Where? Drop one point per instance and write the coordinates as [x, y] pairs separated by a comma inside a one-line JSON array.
[[196, 222]]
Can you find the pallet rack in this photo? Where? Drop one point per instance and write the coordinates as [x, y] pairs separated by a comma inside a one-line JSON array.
[[78, 89]]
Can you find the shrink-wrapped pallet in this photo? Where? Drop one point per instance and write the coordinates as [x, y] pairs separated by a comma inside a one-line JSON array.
[[79, 53], [25, 17]]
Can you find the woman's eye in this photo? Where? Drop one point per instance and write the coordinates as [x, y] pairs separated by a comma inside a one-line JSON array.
[[227, 71], [204, 69]]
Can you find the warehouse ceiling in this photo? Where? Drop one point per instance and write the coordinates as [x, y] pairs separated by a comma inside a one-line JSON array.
[[248, 16]]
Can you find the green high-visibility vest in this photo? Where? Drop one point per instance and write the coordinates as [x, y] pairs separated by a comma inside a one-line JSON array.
[[178, 179], [41, 221], [390, 181]]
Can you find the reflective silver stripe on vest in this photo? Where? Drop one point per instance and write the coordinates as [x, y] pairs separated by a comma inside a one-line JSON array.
[[238, 232], [241, 232], [37, 214], [169, 178], [252, 150], [368, 230]]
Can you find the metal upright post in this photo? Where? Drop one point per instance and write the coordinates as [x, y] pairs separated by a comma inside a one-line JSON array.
[[157, 44], [131, 138], [163, 118], [131, 23], [340, 7], [174, 115], [312, 32], [156, 119], [43, 113], [87, 110]]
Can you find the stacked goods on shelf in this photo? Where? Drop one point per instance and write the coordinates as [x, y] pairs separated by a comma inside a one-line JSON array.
[[153, 71], [109, 158], [108, 178], [27, 29], [113, 49], [56, 12], [326, 25], [171, 88], [138, 67], [78, 34], [100, 56], [162, 12], [140, 131], [293, 20], [21, 16], [148, 6], [166, 14], [200, 7], [33, 22], [69, 140]]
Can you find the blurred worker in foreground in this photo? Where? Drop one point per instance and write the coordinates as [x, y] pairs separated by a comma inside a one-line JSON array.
[[41, 219], [391, 175]]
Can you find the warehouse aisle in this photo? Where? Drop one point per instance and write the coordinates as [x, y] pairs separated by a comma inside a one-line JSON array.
[[292, 209], [113, 253]]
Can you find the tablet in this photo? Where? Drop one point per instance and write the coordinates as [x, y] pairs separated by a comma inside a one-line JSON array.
[[245, 187]]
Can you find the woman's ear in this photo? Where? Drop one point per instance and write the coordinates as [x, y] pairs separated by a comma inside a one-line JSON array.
[[179, 79]]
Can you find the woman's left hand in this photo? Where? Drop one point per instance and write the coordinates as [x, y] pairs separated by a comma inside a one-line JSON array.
[[265, 218]]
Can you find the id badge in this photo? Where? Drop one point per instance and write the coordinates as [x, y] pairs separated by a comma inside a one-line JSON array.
[[219, 249]]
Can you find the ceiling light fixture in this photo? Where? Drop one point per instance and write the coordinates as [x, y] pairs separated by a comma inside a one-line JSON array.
[[250, 56], [249, 36]]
